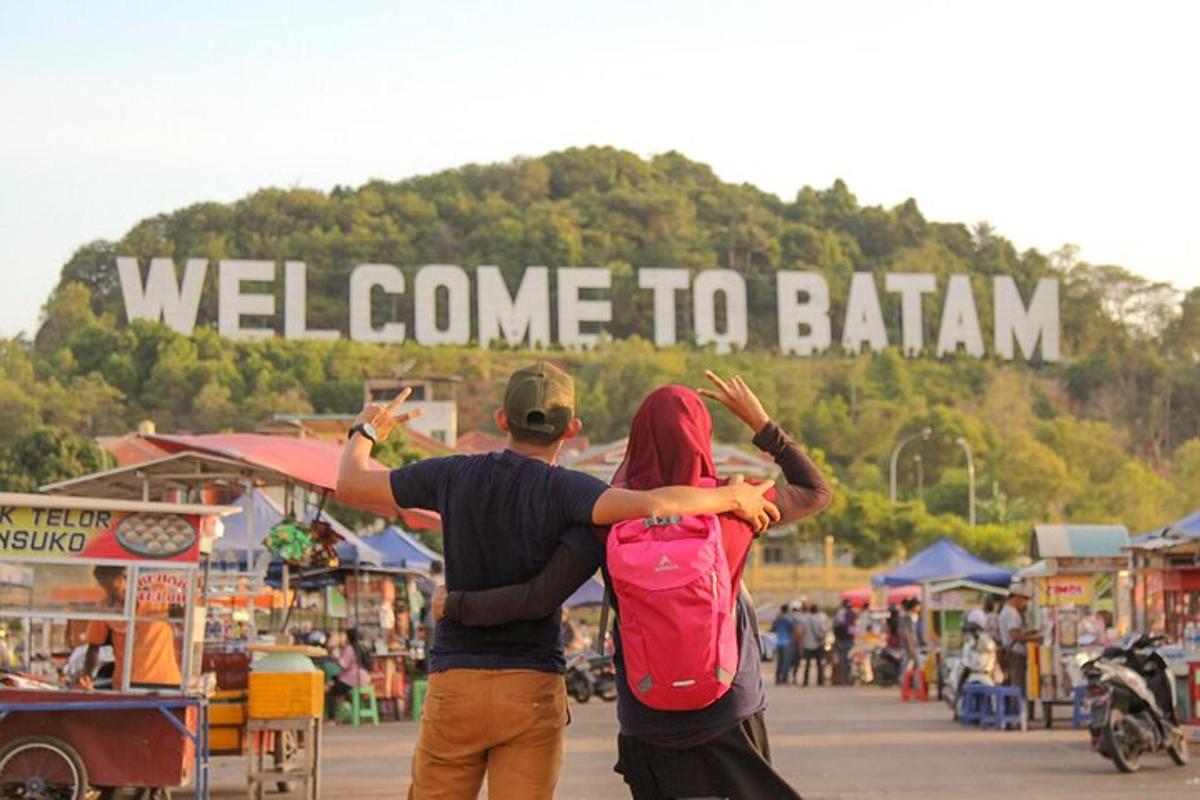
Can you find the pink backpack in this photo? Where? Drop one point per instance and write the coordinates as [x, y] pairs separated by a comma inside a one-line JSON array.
[[678, 627]]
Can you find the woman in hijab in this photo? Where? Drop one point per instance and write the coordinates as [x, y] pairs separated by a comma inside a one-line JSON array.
[[721, 749]]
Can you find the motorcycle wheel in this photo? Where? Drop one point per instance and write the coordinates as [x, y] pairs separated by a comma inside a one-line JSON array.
[[1178, 751], [580, 691], [1123, 756]]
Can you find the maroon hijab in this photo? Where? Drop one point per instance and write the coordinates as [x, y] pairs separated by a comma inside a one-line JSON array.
[[670, 442]]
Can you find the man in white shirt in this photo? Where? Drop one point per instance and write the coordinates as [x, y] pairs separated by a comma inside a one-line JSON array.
[[1013, 636]]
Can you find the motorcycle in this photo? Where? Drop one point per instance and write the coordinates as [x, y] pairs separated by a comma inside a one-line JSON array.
[[885, 665], [976, 663], [589, 674], [1133, 709]]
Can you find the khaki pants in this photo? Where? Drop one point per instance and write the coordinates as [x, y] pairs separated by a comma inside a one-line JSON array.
[[507, 723]]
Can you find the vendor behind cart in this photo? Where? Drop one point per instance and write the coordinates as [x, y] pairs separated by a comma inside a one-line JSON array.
[[155, 663], [1014, 636]]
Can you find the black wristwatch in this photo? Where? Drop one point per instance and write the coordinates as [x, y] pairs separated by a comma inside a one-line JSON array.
[[366, 429]]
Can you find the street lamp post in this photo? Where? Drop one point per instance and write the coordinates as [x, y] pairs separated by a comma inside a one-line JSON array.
[[922, 434], [961, 442], [920, 476]]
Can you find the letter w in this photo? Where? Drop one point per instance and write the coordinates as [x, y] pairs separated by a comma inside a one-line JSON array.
[[162, 297]]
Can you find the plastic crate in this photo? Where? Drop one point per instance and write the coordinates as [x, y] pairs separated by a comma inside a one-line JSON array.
[[286, 695]]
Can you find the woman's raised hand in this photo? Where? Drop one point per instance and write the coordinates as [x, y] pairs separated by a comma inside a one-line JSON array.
[[738, 398]]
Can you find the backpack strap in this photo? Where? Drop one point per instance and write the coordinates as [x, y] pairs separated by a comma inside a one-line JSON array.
[[604, 609]]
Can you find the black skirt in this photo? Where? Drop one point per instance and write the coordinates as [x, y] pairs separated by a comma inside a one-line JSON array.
[[736, 764]]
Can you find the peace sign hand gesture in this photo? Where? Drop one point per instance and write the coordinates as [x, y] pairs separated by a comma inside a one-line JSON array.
[[383, 417], [738, 398]]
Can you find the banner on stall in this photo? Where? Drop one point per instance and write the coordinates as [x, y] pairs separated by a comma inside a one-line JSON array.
[[56, 533], [1068, 590]]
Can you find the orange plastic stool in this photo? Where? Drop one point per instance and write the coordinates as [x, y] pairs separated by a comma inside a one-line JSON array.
[[913, 686]]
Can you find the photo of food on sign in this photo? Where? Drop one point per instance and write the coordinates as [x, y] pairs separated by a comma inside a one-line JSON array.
[[76, 533]]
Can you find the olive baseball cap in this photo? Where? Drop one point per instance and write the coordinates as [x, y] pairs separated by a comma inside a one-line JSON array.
[[539, 402]]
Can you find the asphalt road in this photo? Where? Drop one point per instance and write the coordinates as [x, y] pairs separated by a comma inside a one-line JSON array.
[[832, 743]]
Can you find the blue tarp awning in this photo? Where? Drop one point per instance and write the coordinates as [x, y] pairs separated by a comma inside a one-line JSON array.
[[944, 560], [230, 549], [399, 549], [591, 593], [1178, 531], [1189, 526]]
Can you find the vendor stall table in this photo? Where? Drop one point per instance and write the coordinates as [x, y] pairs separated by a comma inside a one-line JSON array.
[[122, 740], [124, 572], [1083, 598]]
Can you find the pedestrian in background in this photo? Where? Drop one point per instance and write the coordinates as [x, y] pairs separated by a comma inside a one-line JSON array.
[[814, 628], [910, 615], [796, 613], [782, 628], [843, 640]]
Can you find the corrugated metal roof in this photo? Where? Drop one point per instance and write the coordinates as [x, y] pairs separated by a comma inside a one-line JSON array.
[[1078, 541]]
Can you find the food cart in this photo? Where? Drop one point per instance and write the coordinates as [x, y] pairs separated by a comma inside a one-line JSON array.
[[1082, 599], [947, 604], [114, 566]]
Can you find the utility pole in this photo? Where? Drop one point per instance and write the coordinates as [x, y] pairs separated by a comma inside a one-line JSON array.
[[961, 442], [923, 435]]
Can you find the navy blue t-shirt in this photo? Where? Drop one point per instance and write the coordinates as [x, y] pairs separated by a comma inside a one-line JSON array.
[[503, 515]]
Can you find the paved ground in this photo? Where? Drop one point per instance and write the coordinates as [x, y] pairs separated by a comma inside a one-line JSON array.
[[833, 744]]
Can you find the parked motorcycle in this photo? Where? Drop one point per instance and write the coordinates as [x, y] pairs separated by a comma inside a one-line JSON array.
[[976, 663], [885, 665], [589, 674], [1133, 709]]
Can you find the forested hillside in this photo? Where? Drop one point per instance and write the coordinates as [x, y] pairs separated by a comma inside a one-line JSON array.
[[1112, 433]]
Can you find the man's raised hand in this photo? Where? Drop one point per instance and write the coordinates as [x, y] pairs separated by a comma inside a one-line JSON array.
[[752, 504], [383, 417]]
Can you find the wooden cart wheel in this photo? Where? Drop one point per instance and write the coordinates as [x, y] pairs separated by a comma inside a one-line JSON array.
[[42, 768]]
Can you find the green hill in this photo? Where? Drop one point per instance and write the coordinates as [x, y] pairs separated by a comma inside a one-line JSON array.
[[1110, 433]]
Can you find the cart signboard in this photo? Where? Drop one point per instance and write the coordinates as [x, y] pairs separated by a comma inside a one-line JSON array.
[[1067, 590], [29, 533]]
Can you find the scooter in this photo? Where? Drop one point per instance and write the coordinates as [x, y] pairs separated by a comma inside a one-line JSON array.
[[1133, 709], [885, 665], [976, 663], [589, 674]]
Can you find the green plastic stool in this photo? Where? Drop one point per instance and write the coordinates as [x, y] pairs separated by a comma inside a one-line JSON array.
[[359, 710], [419, 688]]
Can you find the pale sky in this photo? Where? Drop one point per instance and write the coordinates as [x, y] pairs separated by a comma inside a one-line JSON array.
[[1056, 122]]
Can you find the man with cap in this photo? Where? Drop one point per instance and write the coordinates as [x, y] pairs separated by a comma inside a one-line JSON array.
[[496, 703], [1013, 636]]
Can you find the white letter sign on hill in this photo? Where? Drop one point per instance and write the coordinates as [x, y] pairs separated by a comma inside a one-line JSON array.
[[864, 317], [575, 315], [812, 313], [910, 286], [363, 280], [1014, 321], [501, 314], [960, 320], [295, 305], [704, 298], [234, 304], [572, 311], [665, 283], [163, 298], [458, 301]]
